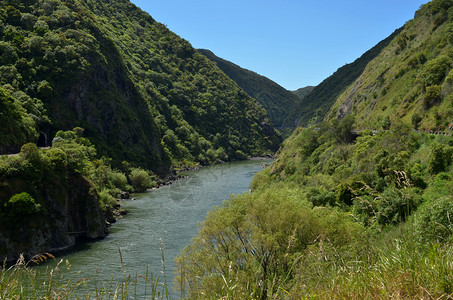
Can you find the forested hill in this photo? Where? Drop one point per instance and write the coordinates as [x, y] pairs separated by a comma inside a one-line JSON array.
[[315, 106], [410, 81], [302, 92], [272, 96], [141, 93]]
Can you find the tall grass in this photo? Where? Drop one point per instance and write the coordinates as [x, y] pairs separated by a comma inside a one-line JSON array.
[[22, 281], [402, 268]]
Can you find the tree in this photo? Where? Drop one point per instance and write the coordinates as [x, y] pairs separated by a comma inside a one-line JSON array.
[[19, 208], [140, 180], [342, 131]]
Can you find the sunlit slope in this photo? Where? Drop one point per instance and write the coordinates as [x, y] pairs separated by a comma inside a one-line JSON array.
[[410, 80]]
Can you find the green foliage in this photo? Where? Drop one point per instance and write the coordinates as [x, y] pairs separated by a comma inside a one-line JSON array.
[[432, 96], [275, 99], [391, 207], [106, 199], [79, 150], [118, 180], [440, 158], [253, 245], [342, 131], [169, 106], [18, 127], [19, 208], [435, 221], [140, 180]]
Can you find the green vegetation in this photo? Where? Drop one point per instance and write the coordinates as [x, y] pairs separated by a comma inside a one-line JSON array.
[[22, 281], [140, 180], [143, 94], [54, 191], [334, 216], [274, 98], [302, 92], [410, 80], [315, 106], [20, 117]]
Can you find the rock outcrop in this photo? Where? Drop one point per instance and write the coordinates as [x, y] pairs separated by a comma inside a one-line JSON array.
[[69, 212]]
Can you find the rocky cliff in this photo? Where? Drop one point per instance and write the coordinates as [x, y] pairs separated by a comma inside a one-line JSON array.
[[67, 211]]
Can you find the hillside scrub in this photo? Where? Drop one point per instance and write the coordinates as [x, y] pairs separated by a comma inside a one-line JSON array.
[[333, 217], [409, 80]]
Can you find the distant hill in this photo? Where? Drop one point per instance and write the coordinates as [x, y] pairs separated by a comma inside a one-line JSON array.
[[317, 103], [302, 92], [275, 99], [410, 80]]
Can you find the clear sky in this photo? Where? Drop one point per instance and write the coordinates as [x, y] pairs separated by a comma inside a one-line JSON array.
[[293, 42]]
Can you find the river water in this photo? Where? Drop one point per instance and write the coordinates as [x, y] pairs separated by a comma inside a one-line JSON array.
[[161, 220]]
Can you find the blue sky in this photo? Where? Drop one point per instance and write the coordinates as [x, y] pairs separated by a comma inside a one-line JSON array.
[[293, 42]]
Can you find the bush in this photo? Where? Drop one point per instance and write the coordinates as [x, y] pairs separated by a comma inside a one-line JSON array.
[[432, 96], [395, 205], [435, 221], [19, 207], [118, 180], [106, 199], [440, 158], [320, 196], [140, 180], [435, 70]]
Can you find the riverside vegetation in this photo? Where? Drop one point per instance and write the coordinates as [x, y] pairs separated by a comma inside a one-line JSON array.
[[338, 214], [334, 217], [349, 215]]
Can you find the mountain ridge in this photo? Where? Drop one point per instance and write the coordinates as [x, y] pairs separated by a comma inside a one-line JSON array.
[[315, 106], [270, 94], [410, 81]]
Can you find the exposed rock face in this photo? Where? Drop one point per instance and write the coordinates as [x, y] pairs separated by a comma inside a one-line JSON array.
[[70, 212]]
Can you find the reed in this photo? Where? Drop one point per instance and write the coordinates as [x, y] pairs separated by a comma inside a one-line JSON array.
[[403, 269], [23, 281]]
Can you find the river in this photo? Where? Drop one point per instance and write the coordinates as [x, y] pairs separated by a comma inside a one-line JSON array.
[[161, 220]]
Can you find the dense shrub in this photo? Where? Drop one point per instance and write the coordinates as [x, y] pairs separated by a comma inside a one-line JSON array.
[[19, 208], [435, 220], [435, 70], [140, 180], [440, 157]]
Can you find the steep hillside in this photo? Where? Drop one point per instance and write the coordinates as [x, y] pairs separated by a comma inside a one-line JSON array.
[[142, 94], [315, 106], [410, 80], [272, 96], [302, 92]]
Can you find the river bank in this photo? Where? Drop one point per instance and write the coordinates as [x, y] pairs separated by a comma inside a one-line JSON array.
[[160, 221]]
